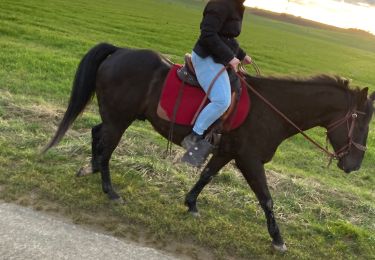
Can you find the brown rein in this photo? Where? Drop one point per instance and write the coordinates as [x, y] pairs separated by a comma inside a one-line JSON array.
[[352, 114]]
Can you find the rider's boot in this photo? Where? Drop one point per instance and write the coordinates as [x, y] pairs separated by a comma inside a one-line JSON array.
[[197, 148]]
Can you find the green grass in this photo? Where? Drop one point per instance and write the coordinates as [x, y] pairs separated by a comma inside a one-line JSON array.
[[322, 212]]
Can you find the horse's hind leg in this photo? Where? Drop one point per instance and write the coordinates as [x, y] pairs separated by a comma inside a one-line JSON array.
[[109, 139], [212, 168], [94, 165], [95, 159]]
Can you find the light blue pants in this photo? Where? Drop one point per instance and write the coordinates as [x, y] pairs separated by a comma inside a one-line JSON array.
[[220, 96]]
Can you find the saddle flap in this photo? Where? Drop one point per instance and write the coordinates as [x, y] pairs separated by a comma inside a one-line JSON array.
[[185, 76], [187, 73]]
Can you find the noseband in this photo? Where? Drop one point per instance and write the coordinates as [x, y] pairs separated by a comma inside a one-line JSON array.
[[350, 116]]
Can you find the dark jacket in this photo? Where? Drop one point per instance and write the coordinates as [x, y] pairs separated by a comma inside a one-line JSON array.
[[222, 22]]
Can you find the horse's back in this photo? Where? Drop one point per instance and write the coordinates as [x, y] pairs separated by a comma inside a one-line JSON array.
[[124, 80], [128, 64]]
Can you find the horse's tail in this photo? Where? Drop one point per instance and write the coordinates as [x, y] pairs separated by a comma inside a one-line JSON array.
[[83, 88]]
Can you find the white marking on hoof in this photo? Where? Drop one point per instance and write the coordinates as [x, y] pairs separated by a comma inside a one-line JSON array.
[[84, 171], [119, 201], [195, 214], [281, 248]]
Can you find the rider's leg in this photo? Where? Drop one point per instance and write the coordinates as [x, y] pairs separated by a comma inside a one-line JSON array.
[[206, 70]]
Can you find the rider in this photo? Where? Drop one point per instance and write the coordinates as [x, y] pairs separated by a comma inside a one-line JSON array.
[[215, 48]]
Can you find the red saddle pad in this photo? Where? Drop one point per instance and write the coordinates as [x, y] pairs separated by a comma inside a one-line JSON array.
[[191, 99]]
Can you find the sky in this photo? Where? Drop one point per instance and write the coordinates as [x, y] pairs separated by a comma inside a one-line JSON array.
[[341, 13]]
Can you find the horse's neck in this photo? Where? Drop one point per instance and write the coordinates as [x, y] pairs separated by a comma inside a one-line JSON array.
[[308, 105]]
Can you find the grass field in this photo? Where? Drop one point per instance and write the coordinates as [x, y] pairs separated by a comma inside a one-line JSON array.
[[322, 212]]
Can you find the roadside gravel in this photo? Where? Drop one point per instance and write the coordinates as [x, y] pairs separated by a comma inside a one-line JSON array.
[[27, 234]]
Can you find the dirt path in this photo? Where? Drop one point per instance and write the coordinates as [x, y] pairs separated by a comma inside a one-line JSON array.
[[27, 234]]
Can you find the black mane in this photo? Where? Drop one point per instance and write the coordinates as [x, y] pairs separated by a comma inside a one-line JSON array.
[[335, 80], [321, 79]]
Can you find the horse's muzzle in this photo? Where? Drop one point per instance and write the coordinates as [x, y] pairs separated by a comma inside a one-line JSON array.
[[347, 169]]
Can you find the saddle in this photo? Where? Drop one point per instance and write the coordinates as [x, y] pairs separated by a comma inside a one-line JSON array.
[[182, 99], [187, 72], [187, 75]]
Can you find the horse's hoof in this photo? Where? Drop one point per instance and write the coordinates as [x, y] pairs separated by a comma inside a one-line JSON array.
[[84, 171], [119, 201], [115, 198], [195, 214], [281, 248]]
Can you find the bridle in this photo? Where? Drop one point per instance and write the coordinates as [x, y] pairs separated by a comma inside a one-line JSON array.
[[351, 115]]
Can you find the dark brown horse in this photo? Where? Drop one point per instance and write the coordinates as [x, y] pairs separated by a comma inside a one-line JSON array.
[[128, 85]]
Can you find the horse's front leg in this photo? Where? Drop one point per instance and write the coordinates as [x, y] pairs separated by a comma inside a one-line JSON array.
[[211, 169], [253, 171]]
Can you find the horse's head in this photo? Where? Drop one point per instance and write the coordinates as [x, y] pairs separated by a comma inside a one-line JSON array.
[[348, 135]]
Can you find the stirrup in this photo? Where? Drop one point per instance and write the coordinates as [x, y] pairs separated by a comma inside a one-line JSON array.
[[197, 154], [190, 140]]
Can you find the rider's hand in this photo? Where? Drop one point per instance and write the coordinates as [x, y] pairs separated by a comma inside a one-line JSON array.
[[234, 63], [247, 60]]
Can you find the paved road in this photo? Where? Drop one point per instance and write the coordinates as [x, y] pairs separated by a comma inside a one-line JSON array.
[[26, 234]]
